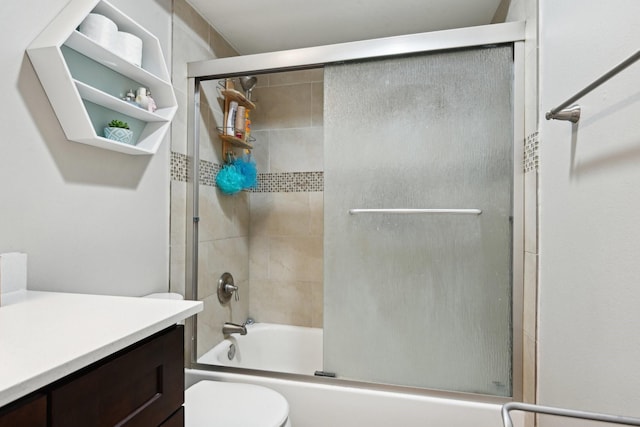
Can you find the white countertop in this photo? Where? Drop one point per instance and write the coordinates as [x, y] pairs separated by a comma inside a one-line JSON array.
[[45, 336]]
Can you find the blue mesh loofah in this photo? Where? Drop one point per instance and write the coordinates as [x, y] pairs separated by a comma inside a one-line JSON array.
[[229, 180], [247, 168]]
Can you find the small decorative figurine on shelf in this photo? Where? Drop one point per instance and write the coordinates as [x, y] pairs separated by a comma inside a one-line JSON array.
[[130, 97], [152, 107]]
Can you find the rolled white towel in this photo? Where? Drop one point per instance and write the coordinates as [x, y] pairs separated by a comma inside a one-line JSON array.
[[128, 46], [99, 28]]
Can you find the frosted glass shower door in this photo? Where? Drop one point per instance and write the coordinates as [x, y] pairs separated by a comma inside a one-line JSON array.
[[420, 299]]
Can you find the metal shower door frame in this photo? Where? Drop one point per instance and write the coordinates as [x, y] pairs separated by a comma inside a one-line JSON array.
[[318, 57]]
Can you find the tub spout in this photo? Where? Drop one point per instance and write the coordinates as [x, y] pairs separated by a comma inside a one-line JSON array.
[[232, 328]]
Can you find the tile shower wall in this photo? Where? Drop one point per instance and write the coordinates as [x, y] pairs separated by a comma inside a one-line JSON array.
[[286, 211], [527, 10], [224, 221]]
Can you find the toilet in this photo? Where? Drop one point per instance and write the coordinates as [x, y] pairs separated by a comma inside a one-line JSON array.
[[222, 404], [215, 403]]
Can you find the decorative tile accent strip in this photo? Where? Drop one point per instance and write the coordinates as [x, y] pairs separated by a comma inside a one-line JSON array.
[[208, 172], [531, 152], [290, 182], [283, 182], [179, 163]]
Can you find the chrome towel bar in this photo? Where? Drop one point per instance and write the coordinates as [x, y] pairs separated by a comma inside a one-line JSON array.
[[569, 413], [572, 113], [417, 211]]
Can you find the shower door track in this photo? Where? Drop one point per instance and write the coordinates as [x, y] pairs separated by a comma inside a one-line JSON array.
[[314, 57], [317, 57]]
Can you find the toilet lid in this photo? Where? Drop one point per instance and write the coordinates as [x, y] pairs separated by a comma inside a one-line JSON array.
[[215, 403]]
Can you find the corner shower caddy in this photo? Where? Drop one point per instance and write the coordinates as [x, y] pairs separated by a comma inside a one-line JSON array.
[[85, 81], [230, 94]]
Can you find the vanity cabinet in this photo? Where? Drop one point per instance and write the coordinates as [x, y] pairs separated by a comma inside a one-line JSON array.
[[86, 81], [28, 412], [142, 385]]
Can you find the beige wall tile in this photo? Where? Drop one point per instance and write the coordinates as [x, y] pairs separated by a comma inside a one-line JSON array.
[[187, 16], [206, 274], [282, 107], [531, 212], [210, 321], [295, 258], [221, 215], [296, 150], [529, 370], [280, 214], [294, 77], [177, 269], [530, 297], [263, 80], [178, 213], [220, 47], [261, 150], [214, 314], [188, 46], [317, 304], [317, 104], [258, 257], [219, 256], [316, 213], [284, 302], [179, 125]]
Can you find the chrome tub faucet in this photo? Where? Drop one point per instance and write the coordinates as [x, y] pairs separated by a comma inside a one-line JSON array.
[[233, 328]]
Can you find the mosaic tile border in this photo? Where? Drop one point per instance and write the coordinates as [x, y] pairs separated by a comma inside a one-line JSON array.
[[208, 172], [282, 182], [290, 182], [531, 159], [179, 167]]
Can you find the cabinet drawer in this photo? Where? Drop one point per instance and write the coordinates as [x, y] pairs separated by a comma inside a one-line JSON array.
[[30, 412], [143, 386]]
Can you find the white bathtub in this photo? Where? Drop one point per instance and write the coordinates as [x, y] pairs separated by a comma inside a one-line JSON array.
[[271, 347], [322, 405], [295, 349]]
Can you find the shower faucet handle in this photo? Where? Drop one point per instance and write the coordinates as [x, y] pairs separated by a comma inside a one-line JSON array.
[[233, 289], [227, 289]]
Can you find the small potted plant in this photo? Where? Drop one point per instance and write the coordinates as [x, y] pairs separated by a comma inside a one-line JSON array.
[[119, 131]]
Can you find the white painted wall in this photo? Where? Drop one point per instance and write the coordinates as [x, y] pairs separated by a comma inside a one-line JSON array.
[[90, 220], [589, 316]]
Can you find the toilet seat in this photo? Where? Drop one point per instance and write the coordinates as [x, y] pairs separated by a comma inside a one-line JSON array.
[[215, 403]]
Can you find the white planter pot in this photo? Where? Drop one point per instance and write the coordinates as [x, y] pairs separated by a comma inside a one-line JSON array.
[[119, 134]]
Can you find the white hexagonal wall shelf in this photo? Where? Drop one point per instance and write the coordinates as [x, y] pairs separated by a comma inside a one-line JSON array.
[[86, 81]]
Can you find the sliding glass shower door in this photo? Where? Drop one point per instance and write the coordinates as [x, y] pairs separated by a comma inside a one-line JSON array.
[[418, 207]]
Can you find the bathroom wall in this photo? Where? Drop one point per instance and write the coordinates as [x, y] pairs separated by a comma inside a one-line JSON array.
[[286, 211], [589, 199], [90, 220], [224, 220]]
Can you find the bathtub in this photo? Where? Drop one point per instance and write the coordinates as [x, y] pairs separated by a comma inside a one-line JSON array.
[[323, 405], [270, 347], [294, 349]]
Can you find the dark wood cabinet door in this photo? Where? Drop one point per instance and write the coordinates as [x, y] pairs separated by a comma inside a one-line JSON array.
[[28, 412], [142, 387], [176, 420]]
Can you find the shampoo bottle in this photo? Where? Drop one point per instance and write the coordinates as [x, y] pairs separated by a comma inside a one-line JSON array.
[[231, 117]]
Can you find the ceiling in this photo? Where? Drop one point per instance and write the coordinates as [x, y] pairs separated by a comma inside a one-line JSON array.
[[256, 26]]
